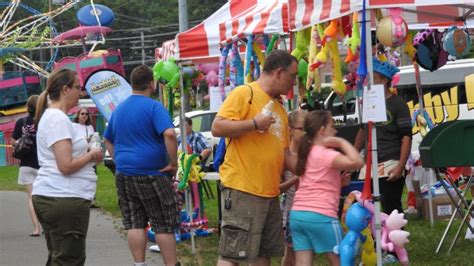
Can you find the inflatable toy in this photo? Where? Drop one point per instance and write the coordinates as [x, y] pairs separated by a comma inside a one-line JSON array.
[[357, 219], [167, 71], [392, 30], [457, 42]]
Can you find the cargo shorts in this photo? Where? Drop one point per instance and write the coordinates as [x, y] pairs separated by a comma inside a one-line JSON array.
[[251, 227]]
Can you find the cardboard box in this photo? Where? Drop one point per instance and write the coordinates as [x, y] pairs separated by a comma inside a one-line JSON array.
[[443, 208]]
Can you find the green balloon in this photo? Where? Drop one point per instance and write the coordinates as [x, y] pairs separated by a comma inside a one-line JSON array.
[[168, 71]]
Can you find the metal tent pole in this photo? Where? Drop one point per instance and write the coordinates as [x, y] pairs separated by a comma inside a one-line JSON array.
[[375, 180], [182, 129]]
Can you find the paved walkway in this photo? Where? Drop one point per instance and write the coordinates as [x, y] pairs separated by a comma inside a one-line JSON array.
[[105, 244]]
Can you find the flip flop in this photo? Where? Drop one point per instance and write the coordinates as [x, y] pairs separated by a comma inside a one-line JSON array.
[[34, 235]]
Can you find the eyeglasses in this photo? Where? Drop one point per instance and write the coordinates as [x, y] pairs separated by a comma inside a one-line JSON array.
[[76, 87], [297, 128]]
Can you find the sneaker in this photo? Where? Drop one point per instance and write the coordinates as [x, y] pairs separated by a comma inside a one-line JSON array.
[[411, 210], [389, 258], [155, 248]]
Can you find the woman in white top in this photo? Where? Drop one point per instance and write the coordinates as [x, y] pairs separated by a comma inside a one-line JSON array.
[[66, 182], [82, 123]]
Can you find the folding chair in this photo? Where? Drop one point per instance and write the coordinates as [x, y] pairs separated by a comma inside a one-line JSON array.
[[451, 144]]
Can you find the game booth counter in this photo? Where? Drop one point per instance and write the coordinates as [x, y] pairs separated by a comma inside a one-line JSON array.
[[392, 27]]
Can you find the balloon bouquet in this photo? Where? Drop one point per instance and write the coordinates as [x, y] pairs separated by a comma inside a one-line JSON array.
[[168, 72]]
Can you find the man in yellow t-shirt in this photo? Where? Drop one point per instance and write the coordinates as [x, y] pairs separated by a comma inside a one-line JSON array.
[[256, 156]]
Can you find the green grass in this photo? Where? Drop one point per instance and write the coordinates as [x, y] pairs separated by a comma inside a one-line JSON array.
[[9, 178], [421, 249]]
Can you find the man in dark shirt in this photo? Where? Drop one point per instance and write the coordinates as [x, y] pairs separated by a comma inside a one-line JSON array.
[[393, 140]]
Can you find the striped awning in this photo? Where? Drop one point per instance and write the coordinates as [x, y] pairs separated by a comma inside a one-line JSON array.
[[166, 51], [417, 13], [234, 19], [264, 17]]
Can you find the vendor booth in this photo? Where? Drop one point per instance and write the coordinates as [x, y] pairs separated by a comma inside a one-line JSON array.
[[401, 16]]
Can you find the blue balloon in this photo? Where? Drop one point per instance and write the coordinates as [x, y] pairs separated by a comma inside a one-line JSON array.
[[357, 219]]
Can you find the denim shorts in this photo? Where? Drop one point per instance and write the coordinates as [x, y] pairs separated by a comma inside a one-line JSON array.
[[314, 231], [144, 199]]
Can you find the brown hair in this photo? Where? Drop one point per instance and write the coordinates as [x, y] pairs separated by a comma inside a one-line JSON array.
[[294, 115], [55, 83], [88, 121], [313, 122], [141, 77], [31, 104], [278, 59]]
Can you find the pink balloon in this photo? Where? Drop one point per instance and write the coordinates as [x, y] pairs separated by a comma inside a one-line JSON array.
[[212, 78], [208, 67]]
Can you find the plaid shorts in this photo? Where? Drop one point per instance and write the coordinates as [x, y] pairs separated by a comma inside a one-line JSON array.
[[144, 199]]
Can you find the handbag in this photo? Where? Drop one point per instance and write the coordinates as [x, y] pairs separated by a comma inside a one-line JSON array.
[[23, 147]]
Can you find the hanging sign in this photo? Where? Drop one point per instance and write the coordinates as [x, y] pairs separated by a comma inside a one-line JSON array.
[[373, 106], [107, 89]]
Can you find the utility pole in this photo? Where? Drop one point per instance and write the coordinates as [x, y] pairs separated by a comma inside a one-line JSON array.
[[183, 15], [142, 37]]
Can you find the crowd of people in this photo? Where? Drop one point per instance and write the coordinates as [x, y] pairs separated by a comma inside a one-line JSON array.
[[266, 155]]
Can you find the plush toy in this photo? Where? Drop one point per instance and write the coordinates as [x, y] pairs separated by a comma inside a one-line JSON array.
[[303, 38], [357, 219], [409, 49], [423, 121], [258, 52], [222, 70], [322, 55], [313, 73], [331, 31], [337, 84], [353, 43], [236, 66], [271, 44]]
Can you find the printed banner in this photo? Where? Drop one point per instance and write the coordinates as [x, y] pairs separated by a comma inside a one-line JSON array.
[[107, 89]]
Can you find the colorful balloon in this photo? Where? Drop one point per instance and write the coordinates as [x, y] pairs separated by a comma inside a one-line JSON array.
[[168, 71]]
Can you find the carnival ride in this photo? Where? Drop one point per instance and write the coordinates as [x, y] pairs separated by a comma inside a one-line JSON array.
[[26, 30]]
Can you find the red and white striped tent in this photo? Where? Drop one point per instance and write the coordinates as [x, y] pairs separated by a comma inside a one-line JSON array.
[[232, 20], [417, 13], [166, 51], [265, 17]]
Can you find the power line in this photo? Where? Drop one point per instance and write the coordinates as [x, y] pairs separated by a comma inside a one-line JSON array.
[[146, 36]]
